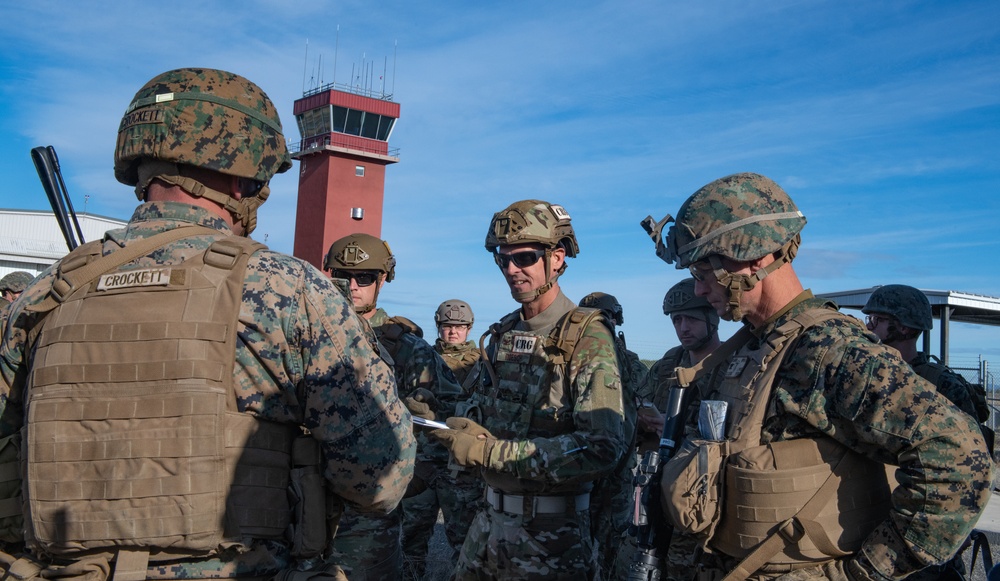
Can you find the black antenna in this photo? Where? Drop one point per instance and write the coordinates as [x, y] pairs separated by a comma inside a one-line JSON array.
[[305, 66]]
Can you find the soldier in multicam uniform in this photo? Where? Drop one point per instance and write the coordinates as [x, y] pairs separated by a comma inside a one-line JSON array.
[[375, 546], [548, 405], [812, 398], [454, 321], [697, 327], [611, 499], [898, 314], [178, 384]]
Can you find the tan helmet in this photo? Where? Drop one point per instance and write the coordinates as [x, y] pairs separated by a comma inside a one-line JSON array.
[[204, 118], [361, 252], [607, 303], [454, 312], [681, 300], [535, 221], [742, 217]]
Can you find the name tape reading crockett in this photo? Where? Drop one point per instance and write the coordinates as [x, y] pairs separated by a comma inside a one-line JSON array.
[[134, 278]]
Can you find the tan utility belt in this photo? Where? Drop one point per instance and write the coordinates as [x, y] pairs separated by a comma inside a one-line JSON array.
[[536, 504]]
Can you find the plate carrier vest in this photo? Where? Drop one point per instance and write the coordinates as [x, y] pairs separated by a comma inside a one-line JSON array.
[[133, 439]]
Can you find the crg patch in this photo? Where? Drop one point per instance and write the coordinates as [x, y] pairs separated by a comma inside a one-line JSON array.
[[523, 344]]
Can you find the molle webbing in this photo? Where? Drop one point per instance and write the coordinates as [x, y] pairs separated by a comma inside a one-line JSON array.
[[778, 495], [133, 436]]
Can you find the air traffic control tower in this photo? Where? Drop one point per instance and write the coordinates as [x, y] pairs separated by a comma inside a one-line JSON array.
[[342, 158]]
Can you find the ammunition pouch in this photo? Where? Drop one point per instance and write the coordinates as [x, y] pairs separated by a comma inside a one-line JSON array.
[[307, 496], [691, 486]]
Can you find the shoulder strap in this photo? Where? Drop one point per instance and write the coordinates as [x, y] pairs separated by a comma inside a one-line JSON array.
[[67, 283], [570, 327]]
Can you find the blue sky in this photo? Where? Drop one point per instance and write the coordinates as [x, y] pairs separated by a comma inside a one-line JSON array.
[[881, 119]]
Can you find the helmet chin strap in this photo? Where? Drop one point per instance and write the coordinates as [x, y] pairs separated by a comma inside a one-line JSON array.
[[737, 284], [528, 296], [370, 306], [243, 210]]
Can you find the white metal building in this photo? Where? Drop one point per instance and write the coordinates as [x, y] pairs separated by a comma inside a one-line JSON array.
[[30, 240]]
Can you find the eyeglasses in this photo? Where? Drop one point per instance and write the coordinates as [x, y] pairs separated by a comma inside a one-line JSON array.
[[522, 259], [873, 320], [362, 277], [699, 273]]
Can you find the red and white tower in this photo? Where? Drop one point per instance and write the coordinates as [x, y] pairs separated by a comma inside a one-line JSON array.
[[342, 158]]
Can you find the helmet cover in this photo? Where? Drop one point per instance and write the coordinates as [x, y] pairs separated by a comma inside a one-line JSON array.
[[16, 281], [906, 303], [532, 221], [743, 217]]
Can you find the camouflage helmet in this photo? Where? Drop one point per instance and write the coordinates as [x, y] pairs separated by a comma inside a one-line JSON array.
[[204, 118], [532, 221], [607, 303], [680, 299], [742, 217], [16, 281], [907, 304], [361, 252], [454, 312]]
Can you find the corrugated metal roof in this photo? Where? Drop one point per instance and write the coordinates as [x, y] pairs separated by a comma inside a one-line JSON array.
[[966, 307], [31, 240]]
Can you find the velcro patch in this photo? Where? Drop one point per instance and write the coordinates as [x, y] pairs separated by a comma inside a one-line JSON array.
[[523, 344], [141, 117], [736, 366], [134, 278]]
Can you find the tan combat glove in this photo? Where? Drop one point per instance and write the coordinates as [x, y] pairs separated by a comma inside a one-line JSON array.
[[422, 403], [469, 443]]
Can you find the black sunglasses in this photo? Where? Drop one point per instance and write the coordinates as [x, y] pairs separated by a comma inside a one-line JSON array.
[[520, 259], [362, 277]]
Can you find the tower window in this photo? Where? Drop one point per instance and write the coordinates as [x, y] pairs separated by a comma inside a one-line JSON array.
[[359, 170]]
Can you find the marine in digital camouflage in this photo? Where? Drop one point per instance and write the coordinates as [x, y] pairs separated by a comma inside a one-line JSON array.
[[838, 381], [302, 359], [834, 380]]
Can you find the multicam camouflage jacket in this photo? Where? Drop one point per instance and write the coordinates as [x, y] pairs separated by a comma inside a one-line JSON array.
[[574, 432], [836, 379], [302, 359]]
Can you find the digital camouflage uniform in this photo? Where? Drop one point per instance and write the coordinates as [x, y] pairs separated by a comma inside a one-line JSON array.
[[301, 359], [573, 436], [374, 546], [837, 380], [833, 382]]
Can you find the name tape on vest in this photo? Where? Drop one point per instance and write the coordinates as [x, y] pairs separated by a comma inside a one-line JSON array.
[[134, 278], [523, 345]]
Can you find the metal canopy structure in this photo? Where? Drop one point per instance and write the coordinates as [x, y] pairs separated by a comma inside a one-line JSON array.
[[946, 306]]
